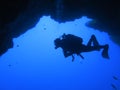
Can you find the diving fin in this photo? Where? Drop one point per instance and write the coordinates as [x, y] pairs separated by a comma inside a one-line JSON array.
[[105, 52]]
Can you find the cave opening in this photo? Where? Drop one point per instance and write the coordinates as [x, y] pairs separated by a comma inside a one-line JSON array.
[[33, 63]]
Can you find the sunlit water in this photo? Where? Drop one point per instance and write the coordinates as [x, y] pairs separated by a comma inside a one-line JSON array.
[[34, 64]]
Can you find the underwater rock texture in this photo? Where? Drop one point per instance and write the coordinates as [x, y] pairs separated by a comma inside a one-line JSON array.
[[18, 16]]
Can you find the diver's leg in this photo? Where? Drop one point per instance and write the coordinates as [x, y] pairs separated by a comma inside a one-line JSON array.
[[92, 48], [94, 40], [97, 48], [95, 43], [105, 51]]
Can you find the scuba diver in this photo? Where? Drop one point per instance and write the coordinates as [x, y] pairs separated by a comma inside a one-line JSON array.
[[72, 44]]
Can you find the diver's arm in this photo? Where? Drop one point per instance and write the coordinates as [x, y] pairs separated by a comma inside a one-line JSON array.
[[73, 58], [67, 53], [81, 56]]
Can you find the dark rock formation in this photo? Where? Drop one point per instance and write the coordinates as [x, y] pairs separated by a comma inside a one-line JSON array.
[[17, 16]]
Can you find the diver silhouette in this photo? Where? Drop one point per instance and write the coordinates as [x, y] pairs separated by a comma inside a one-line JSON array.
[[72, 44]]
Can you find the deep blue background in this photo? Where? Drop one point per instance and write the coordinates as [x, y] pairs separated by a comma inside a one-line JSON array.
[[36, 65]]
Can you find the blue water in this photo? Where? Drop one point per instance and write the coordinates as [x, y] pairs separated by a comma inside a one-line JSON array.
[[34, 64]]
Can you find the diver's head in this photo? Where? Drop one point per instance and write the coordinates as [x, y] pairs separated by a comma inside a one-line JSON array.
[[57, 43]]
